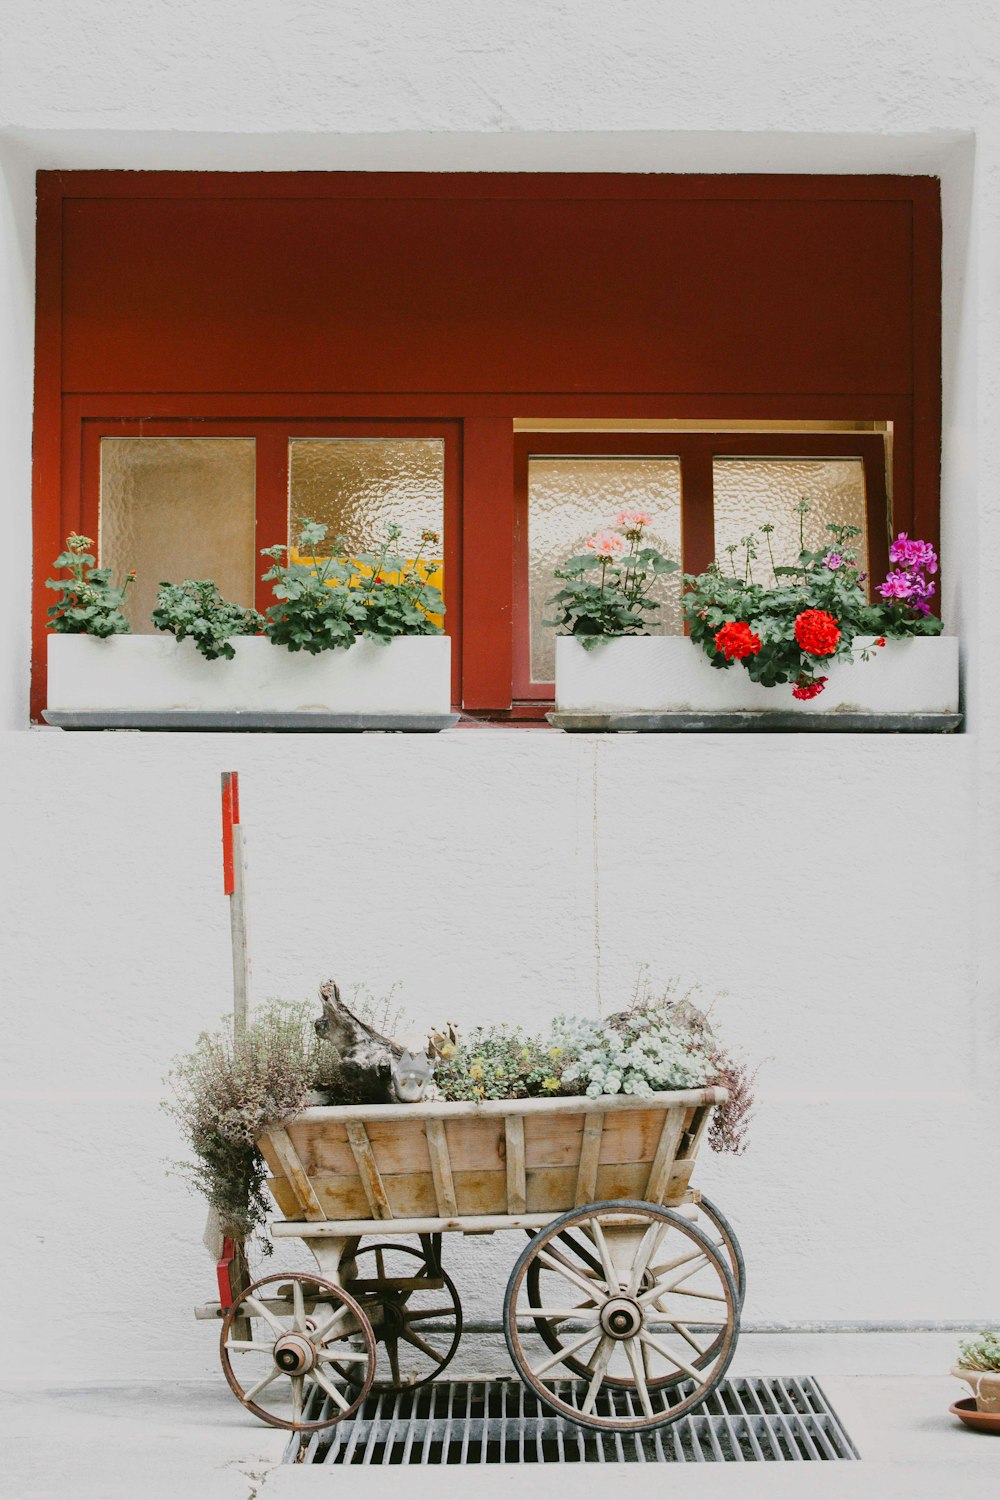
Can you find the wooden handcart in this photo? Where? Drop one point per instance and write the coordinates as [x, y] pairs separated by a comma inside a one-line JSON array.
[[621, 1311]]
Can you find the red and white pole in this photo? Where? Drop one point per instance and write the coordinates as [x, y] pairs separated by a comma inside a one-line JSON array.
[[232, 1271], [234, 884]]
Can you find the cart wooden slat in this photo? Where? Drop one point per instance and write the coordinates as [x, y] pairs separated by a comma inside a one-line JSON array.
[[514, 1163]]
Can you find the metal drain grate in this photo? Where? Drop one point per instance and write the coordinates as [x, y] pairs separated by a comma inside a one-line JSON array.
[[778, 1420]]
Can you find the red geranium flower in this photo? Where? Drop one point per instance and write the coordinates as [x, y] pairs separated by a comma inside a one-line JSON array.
[[880, 641], [737, 640], [808, 687], [817, 632]]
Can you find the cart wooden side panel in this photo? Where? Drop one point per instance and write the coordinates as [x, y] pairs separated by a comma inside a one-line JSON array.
[[494, 1161]]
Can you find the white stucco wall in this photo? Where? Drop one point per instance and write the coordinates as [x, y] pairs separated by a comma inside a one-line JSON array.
[[843, 891]]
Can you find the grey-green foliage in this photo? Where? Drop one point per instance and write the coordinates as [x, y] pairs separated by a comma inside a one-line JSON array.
[[980, 1353], [196, 610]]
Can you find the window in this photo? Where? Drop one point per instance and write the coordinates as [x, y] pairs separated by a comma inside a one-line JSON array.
[[199, 499], [705, 491], [505, 358]]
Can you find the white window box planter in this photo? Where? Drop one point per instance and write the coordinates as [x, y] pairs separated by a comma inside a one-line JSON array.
[[668, 680], [153, 681]]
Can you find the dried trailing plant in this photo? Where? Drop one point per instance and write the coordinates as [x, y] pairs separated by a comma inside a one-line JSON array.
[[728, 1129], [225, 1091]]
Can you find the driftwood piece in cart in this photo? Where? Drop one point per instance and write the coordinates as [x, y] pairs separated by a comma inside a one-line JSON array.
[[366, 1056]]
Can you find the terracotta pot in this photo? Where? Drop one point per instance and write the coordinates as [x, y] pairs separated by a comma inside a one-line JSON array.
[[985, 1386]]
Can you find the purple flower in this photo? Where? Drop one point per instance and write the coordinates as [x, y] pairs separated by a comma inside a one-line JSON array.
[[898, 585], [915, 554], [833, 561]]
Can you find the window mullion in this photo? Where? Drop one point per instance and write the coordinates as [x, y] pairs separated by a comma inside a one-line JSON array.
[[271, 511]]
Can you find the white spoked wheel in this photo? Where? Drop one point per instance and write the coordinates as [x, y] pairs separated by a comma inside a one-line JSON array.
[[633, 1314], [579, 1243], [310, 1340]]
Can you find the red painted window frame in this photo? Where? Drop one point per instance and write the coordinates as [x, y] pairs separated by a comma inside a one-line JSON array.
[[696, 452], [487, 568]]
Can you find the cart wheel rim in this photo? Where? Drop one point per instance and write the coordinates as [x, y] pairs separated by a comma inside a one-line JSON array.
[[726, 1239], [301, 1352], [638, 1401], [401, 1320]]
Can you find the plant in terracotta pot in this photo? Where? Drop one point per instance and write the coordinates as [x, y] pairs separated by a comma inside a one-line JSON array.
[[979, 1366]]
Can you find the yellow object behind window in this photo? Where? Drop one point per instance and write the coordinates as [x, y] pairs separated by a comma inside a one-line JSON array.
[[429, 569]]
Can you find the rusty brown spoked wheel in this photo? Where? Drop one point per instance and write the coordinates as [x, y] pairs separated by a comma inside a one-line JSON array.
[[306, 1333], [414, 1309], [627, 1326], [581, 1253]]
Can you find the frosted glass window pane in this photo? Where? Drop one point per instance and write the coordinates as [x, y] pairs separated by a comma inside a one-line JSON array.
[[750, 492], [357, 486], [570, 497], [176, 508]]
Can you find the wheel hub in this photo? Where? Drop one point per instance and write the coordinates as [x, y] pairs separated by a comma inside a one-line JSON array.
[[393, 1321], [294, 1354], [621, 1317]]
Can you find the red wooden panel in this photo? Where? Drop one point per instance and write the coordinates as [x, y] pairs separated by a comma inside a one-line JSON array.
[[487, 294], [488, 562]]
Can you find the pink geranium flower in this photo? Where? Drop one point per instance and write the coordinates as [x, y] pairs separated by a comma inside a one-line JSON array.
[[632, 520], [897, 585], [913, 554], [607, 545]]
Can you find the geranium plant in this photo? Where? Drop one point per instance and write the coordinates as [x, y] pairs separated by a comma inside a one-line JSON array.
[[195, 609], [328, 598], [90, 603], [398, 594], [605, 589], [812, 613]]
